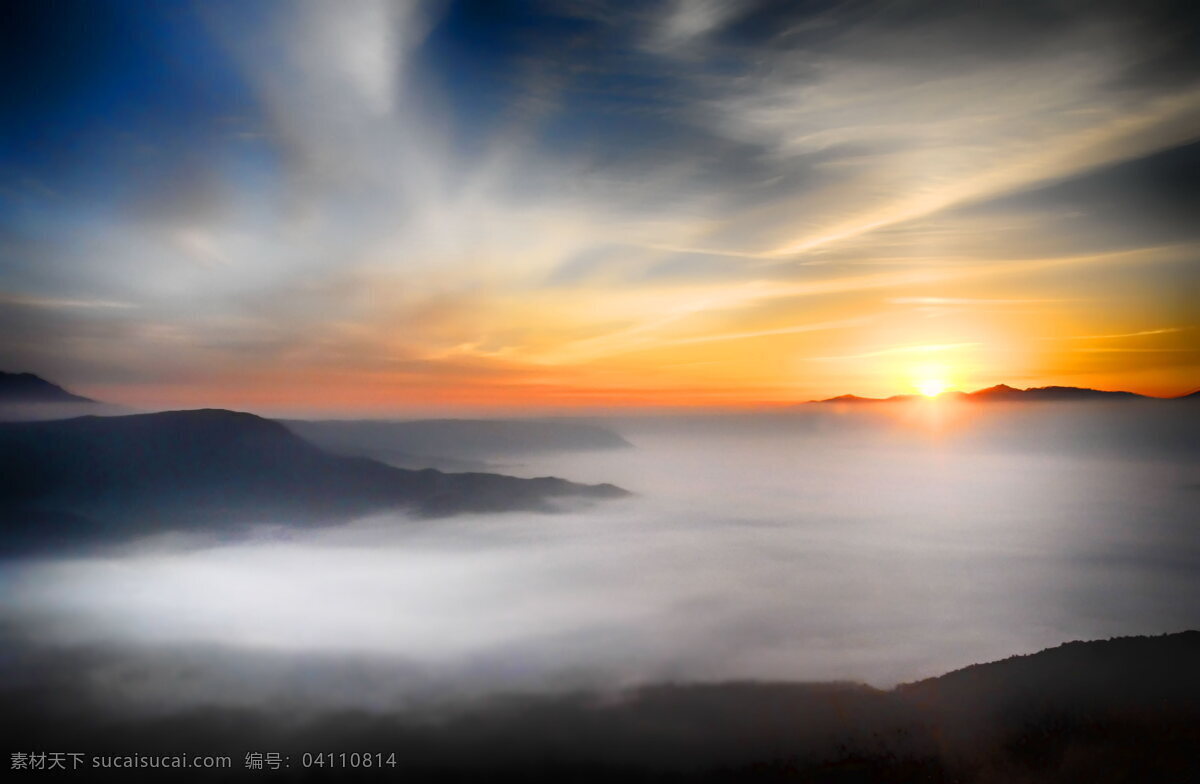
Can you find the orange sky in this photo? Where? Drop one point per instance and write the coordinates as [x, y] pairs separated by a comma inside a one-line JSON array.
[[379, 210]]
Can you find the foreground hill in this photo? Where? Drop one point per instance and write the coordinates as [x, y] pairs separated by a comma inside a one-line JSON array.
[[110, 477], [1126, 709], [1123, 710]]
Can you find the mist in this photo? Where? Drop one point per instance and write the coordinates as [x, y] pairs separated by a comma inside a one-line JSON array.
[[878, 546]]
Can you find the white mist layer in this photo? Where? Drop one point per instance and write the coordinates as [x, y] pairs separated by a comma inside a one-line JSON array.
[[746, 553]]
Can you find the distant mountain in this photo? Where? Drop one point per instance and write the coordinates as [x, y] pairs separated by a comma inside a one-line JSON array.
[[24, 397], [454, 442], [112, 477], [857, 399], [1002, 393], [1005, 392], [998, 392], [28, 388]]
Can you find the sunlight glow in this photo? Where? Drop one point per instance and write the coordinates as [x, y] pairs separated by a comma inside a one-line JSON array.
[[365, 241], [931, 387], [931, 380]]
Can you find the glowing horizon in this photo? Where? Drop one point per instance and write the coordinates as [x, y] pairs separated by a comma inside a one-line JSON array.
[[407, 207]]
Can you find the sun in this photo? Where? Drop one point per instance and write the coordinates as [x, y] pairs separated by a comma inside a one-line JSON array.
[[930, 380], [931, 387]]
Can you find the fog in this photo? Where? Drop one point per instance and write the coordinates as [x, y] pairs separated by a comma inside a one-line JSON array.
[[879, 547]]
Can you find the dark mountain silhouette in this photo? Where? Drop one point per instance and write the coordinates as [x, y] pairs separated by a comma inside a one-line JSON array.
[[857, 399], [1113, 710], [454, 443], [28, 388], [109, 477], [1120, 710], [998, 392], [25, 397], [1002, 393], [1005, 392]]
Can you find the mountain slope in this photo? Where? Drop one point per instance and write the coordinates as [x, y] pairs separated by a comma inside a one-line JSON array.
[[1124, 710], [1096, 671], [28, 388], [180, 469]]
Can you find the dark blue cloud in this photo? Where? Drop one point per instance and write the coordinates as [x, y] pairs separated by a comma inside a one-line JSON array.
[[1147, 201], [499, 62]]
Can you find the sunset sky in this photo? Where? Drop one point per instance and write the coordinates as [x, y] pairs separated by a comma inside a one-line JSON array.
[[570, 205]]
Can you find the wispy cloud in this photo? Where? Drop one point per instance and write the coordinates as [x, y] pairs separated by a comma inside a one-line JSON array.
[[912, 142], [901, 350], [1127, 350], [595, 183], [1143, 333], [686, 20], [24, 300], [971, 301]]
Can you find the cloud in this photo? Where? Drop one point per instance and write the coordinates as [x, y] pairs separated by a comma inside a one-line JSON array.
[[24, 300], [947, 141], [1142, 333], [552, 187], [970, 301], [1142, 350], [885, 352], [686, 20]]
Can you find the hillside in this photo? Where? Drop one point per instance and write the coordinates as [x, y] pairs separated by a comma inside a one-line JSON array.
[[28, 388], [181, 469], [1117, 710]]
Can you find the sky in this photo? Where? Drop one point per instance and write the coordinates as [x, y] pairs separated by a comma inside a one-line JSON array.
[[366, 206]]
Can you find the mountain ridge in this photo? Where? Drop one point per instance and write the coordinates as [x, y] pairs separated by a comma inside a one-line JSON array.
[[1006, 393], [31, 388], [456, 444], [217, 469]]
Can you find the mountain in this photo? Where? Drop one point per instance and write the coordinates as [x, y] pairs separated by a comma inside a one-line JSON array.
[[24, 397], [857, 399], [28, 388], [1124, 709], [998, 392], [1121, 710], [1130, 670], [1035, 394], [106, 478], [1002, 393], [454, 443]]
